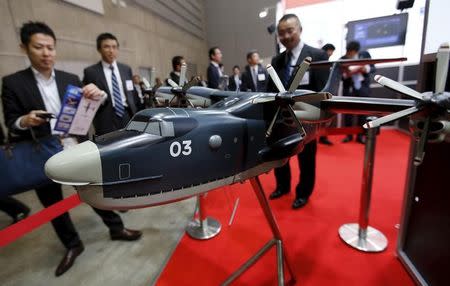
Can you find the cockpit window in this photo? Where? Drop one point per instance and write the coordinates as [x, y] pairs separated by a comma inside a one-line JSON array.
[[137, 126], [158, 128], [153, 128], [167, 129]]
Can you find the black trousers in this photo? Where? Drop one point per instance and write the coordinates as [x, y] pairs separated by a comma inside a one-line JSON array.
[[13, 207], [63, 225], [307, 166]]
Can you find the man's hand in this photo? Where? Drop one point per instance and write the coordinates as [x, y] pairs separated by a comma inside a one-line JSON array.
[[31, 119], [91, 91]]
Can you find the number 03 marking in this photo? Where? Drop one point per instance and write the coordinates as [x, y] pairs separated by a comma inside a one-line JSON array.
[[176, 149]]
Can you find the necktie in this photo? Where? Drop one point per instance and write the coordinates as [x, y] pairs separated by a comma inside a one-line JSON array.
[[287, 69], [118, 105]]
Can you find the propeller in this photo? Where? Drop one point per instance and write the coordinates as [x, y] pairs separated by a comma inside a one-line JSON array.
[[285, 99], [179, 90], [149, 91], [439, 100]]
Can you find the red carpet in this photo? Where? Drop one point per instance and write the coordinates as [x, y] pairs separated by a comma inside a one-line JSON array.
[[310, 234]]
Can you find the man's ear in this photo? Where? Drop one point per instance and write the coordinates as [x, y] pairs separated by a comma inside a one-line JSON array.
[[23, 48]]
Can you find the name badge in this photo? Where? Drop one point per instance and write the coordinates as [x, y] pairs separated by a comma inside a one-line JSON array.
[[130, 85], [261, 77]]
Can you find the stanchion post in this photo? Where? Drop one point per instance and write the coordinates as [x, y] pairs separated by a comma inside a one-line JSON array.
[[361, 236], [203, 227]]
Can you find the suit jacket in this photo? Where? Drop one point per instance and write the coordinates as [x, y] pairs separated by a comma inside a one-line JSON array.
[[317, 76], [247, 80], [20, 95], [173, 76], [213, 76], [103, 120], [232, 84]]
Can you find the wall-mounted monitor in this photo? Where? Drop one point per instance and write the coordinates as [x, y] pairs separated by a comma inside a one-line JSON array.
[[378, 32]]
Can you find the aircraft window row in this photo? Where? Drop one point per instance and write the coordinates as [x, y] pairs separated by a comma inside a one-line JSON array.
[[159, 128]]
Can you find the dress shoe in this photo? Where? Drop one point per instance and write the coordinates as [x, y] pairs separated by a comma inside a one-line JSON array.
[[299, 203], [360, 140], [325, 141], [278, 193], [347, 139], [125, 234], [68, 259]]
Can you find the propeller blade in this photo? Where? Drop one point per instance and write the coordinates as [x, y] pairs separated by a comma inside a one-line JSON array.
[[191, 83], [442, 57], [183, 74], [297, 122], [269, 130], [398, 87], [152, 76], [420, 151], [263, 99], [391, 117], [172, 83], [146, 83], [312, 97], [273, 75], [361, 62], [300, 73]]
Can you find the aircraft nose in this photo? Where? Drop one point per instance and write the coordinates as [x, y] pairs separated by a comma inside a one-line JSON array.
[[79, 165]]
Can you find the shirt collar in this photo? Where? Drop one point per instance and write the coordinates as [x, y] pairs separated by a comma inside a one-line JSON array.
[[39, 75], [106, 65], [297, 50], [215, 64]]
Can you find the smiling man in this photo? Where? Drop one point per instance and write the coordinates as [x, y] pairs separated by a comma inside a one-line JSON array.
[[289, 32]]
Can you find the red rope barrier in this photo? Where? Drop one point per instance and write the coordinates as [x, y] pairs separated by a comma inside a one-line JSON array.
[[342, 131], [27, 225]]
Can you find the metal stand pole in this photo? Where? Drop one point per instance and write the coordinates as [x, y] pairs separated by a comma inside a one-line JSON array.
[[276, 241], [360, 235], [203, 227]]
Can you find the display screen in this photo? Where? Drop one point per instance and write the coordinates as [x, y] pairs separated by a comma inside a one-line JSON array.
[[378, 32]]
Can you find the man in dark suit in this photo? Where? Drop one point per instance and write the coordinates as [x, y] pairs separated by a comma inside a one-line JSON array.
[[174, 75], [214, 72], [40, 89], [235, 81], [115, 78], [255, 77], [329, 49], [289, 30], [356, 82]]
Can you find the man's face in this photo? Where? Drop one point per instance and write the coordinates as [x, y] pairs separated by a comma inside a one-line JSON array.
[[178, 67], [109, 50], [289, 33], [351, 53], [136, 79], [236, 71], [217, 56], [330, 52], [41, 51], [254, 59]]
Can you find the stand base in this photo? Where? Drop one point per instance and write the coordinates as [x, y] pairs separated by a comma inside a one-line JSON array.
[[207, 229], [375, 241]]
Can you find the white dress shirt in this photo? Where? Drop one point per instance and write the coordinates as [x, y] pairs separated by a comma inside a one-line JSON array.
[[296, 53], [218, 68], [108, 75]]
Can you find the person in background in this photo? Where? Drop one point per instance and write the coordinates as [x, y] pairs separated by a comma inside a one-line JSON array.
[[235, 79], [289, 31], [40, 89], [329, 49], [255, 77], [137, 82], [356, 82], [214, 72], [115, 79], [174, 75]]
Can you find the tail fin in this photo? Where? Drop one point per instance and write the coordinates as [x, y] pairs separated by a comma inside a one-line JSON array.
[[334, 79]]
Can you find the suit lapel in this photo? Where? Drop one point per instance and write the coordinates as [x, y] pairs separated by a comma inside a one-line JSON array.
[[102, 79], [61, 83], [303, 54], [33, 90]]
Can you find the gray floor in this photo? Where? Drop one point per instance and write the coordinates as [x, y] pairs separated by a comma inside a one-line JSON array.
[[32, 259]]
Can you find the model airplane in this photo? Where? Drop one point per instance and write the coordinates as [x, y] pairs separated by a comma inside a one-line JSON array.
[[168, 154]]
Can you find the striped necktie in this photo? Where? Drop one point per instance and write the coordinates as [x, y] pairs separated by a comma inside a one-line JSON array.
[[287, 69], [118, 105]]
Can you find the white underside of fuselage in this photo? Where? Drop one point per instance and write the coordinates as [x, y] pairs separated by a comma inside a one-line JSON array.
[[93, 194]]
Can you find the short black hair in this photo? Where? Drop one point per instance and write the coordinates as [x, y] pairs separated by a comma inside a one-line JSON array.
[[30, 28], [353, 46], [236, 67], [290, 16], [176, 61], [105, 36], [328, 46], [212, 52], [250, 53]]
